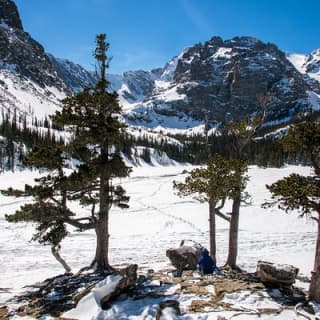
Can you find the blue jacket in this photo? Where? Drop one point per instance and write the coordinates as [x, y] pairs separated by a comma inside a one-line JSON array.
[[206, 263]]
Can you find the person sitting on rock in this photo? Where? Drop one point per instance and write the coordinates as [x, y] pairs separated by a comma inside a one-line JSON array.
[[206, 265]]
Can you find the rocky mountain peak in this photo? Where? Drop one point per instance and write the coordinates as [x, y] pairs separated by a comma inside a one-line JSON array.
[[313, 62], [223, 78], [74, 76], [9, 14], [20, 54]]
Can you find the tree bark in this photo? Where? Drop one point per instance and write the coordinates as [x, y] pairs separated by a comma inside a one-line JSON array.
[[314, 289], [101, 260], [212, 229], [56, 253], [233, 234]]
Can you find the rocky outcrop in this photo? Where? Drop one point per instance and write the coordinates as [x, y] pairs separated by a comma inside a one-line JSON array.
[[9, 15], [25, 57], [74, 76], [184, 257], [312, 63], [125, 279], [168, 309], [276, 275], [29, 82], [222, 78]]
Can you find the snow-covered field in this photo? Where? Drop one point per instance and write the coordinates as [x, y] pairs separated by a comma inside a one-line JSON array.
[[158, 219]]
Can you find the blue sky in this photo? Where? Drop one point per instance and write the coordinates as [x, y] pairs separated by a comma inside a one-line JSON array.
[[145, 34]]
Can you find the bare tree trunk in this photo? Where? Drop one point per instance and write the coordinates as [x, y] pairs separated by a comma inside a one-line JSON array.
[[314, 289], [233, 234], [212, 229], [101, 260], [56, 253]]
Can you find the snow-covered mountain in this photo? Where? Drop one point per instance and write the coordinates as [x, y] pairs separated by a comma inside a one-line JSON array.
[[74, 76], [28, 81], [222, 79], [219, 78], [307, 63]]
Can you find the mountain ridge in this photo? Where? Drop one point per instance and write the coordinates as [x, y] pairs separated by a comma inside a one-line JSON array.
[[218, 79]]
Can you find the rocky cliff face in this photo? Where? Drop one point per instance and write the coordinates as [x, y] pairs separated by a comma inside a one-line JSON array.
[[307, 64], [74, 76], [223, 78], [20, 53], [9, 15], [312, 64], [29, 82]]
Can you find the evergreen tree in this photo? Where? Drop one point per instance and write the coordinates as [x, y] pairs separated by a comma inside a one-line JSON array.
[[146, 155], [297, 192], [49, 209], [94, 116], [239, 134], [212, 184]]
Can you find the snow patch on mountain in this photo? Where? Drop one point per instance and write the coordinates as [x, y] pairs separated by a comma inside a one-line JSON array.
[[314, 100], [115, 81], [222, 53], [169, 70], [26, 96], [156, 135], [313, 65], [307, 63], [148, 116], [298, 60]]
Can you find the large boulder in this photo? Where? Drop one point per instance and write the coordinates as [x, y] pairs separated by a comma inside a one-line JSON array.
[[184, 257], [124, 279], [276, 274]]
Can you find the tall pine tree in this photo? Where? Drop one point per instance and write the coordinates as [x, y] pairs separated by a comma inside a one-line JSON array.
[[297, 192], [212, 184], [93, 114]]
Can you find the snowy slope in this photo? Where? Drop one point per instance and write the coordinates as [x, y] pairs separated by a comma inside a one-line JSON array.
[[298, 60], [307, 63], [158, 219], [26, 96], [28, 81]]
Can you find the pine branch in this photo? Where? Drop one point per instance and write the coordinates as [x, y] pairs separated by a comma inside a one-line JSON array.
[[222, 215]]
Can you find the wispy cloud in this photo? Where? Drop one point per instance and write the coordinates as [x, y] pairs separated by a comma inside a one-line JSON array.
[[196, 16]]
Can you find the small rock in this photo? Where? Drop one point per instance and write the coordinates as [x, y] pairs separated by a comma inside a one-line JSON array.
[[168, 304], [150, 273], [4, 313], [141, 279]]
